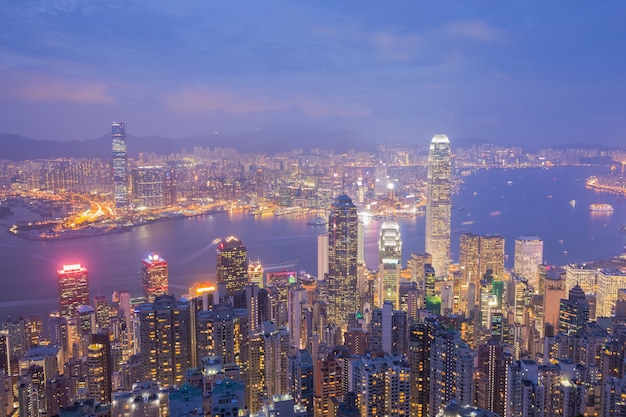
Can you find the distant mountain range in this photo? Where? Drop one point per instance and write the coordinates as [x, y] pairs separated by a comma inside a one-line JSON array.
[[18, 148]]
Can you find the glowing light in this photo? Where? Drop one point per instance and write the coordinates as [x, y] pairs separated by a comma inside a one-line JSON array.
[[201, 290], [71, 267]]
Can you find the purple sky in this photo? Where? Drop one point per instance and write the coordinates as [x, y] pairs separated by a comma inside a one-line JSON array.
[[523, 72]]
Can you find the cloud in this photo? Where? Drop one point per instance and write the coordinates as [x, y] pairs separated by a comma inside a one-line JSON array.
[[202, 99], [473, 29], [37, 87]]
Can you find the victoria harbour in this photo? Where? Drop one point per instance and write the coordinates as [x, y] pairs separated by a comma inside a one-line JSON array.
[[511, 203]]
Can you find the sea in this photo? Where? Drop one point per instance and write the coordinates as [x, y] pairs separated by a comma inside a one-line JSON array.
[[508, 202]]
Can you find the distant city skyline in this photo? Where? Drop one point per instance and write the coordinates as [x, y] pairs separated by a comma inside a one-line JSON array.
[[511, 74]]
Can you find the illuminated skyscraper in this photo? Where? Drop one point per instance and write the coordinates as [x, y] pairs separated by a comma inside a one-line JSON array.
[[528, 257], [120, 165], [232, 264], [439, 204], [73, 288], [389, 261], [479, 253], [610, 281], [322, 256], [155, 277], [165, 340], [255, 274], [342, 261]]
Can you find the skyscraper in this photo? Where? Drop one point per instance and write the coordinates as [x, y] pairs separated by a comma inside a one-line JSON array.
[[73, 288], [389, 261], [120, 165], [478, 254], [232, 264], [165, 340], [528, 257], [439, 204], [155, 277], [342, 261]]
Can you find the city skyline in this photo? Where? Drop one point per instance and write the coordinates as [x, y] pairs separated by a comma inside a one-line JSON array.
[[509, 74]]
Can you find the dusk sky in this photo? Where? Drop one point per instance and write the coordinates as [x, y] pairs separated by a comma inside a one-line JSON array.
[[523, 72]]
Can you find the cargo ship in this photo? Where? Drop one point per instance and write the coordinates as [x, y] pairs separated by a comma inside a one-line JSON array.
[[600, 207]]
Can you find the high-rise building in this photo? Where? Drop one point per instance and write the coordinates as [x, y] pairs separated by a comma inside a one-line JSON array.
[[155, 277], [73, 288], [582, 275], [342, 261], [439, 204], [165, 340], [328, 385], [390, 263], [528, 256], [451, 369], [382, 385], [493, 362], [420, 338], [232, 264], [322, 256], [574, 313], [610, 281], [120, 165], [148, 187], [99, 373], [255, 274], [478, 254]]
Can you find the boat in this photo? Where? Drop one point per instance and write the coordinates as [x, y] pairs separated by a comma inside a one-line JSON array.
[[495, 213], [601, 207], [622, 228], [572, 203], [317, 221]]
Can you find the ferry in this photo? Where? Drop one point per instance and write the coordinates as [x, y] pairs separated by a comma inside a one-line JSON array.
[[601, 207]]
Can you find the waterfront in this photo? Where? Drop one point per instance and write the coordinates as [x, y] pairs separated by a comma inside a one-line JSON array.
[[526, 202]]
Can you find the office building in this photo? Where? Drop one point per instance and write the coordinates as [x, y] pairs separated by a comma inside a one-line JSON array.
[[610, 281], [120, 166], [73, 286], [342, 261], [439, 204], [99, 372], [420, 337], [582, 275], [155, 277], [527, 258], [479, 254], [232, 264], [389, 263], [256, 274], [574, 313]]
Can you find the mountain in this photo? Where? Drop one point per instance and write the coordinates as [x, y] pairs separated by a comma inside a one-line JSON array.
[[17, 148]]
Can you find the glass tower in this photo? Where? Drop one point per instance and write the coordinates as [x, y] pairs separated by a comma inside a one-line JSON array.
[[155, 277], [120, 165], [438, 204], [73, 289], [389, 259], [232, 264], [343, 225]]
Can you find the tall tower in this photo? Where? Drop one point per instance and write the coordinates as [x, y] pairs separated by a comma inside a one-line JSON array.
[[232, 264], [389, 260], [165, 340], [479, 253], [342, 261], [322, 256], [120, 165], [155, 277], [439, 204], [73, 289], [528, 257]]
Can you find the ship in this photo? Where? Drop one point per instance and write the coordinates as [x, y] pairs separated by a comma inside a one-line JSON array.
[[317, 221], [572, 203], [601, 207]]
